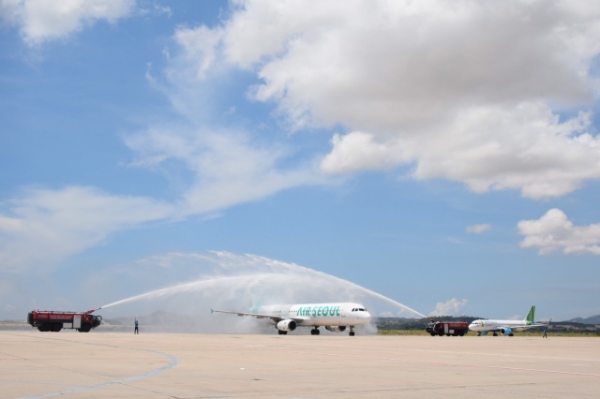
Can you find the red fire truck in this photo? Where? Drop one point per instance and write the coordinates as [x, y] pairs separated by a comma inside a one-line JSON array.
[[447, 328], [46, 320]]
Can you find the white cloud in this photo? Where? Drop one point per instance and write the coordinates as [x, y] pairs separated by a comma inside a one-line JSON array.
[[45, 20], [554, 232], [466, 91], [228, 168], [449, 308], [479, 228], [42, 227]]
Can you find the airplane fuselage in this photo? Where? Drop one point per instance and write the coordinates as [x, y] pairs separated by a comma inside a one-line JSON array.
[[497, 325], [320, 314]]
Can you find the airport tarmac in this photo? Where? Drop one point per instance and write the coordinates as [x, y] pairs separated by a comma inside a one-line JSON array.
[[118, 365]]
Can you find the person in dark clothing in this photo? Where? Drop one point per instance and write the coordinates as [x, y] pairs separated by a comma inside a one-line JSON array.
[[545, 333], [136, 330]]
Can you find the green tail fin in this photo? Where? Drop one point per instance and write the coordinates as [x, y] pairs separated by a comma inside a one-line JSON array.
[[531, 315], [256, 304]]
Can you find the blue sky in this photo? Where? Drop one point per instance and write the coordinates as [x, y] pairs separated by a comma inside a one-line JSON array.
[[445, 157]]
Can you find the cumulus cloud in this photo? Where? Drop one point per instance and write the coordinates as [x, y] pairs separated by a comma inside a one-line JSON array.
[[449, 308], [469, 91], [555, 232], [479, 228], [44, 20]]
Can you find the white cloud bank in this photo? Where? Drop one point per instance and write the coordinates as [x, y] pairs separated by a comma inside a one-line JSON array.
[[466, 91], [45, 20], [555, 232], [42, 227], [479, 228], [449, 308]]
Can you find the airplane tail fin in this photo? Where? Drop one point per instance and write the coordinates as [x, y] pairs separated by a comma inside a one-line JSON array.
[[256, 304], [531, 316]]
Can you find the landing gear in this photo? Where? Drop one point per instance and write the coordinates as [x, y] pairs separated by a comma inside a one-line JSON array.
[[495, 334], [315, 331], [351, 331], [478, 333], [282, 332]]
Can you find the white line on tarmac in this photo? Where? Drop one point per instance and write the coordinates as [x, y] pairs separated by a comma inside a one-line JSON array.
[[173, 361]]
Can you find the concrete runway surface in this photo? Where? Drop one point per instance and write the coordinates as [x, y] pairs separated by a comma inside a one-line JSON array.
[[118, 365]]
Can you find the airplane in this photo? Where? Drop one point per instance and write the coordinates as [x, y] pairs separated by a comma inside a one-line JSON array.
[[506, 326], [335, 317]]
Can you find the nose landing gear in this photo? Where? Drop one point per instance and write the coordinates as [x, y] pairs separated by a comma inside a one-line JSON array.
[[351, 333]]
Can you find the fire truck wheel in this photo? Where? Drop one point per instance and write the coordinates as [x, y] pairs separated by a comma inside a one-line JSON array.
[[56, 328], [84, 328], [433, 334]]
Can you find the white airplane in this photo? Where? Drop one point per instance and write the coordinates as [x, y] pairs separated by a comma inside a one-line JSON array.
[[506, 326], [334, 317]]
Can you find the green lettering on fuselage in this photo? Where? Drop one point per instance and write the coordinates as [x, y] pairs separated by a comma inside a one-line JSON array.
[[320, 311]]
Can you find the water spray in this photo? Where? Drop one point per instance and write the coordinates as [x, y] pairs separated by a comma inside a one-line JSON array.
[[268, 273]]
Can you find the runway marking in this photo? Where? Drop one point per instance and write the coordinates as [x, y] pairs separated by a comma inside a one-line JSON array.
[[173, 361]]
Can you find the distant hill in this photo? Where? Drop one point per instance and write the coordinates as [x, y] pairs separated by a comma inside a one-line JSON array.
[[587, 320]]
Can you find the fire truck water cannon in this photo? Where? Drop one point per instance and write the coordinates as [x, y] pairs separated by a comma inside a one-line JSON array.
[[46, 320]]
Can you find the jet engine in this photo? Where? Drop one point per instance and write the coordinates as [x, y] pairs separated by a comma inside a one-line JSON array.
[[507, 331], [335, 328], [286, 325]]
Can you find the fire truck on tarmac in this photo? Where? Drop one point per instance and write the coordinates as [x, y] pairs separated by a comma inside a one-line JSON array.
[[447, 328], [46, 320]]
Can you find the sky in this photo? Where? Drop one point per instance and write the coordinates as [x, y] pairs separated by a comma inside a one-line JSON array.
[[442, 154]]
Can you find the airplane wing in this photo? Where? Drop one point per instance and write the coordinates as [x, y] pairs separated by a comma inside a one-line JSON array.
[[260, 316]]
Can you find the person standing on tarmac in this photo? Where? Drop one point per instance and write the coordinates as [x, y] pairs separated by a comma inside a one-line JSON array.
[[545, 333], [136, 331]]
